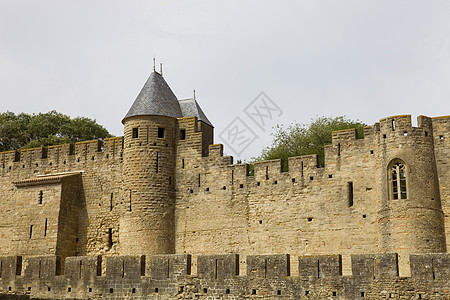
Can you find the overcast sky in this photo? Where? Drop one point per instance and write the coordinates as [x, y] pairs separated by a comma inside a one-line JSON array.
[[363, 59]]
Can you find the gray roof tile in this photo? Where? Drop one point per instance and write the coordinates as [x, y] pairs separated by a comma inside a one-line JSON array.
[[155, 98], [190, 108]]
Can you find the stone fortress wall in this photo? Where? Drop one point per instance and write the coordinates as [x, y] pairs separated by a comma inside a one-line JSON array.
[[166, 188], [219, 277]]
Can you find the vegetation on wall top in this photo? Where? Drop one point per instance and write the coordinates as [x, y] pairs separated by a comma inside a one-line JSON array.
[[46, 129], [303, 139]]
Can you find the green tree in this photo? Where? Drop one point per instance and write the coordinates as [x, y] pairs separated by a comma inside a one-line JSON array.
[[304, 139], [45, 129]]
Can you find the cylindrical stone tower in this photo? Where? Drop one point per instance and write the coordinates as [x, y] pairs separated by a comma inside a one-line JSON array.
[[411, 219], [147, 226]]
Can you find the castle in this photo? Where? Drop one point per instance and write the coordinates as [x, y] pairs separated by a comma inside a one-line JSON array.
[[161, 213]]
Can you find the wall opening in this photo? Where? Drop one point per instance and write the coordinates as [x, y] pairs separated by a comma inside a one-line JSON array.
[[182, 163], [160, 132], [110, 237], [31, 231], [45, 227], [182, 134], [350, 193], [339, 149], [393, 124], [130, 202], [111, 202], [135, 133], [157, 161], [41, 196], [398, 180]]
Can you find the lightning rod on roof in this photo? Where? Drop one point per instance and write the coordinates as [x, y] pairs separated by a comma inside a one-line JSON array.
[[154, 62], [194, 94], [160, 69]]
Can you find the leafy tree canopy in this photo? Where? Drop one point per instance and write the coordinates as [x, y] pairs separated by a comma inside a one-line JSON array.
[[46, 129], [304, 139]]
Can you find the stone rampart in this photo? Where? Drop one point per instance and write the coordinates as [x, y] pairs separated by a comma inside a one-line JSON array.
[[373, 276]]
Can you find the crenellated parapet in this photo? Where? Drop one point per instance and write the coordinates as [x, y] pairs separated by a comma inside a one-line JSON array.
[[220, 276]]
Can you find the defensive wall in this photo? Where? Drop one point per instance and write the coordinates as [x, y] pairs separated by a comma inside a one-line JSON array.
[[73, 199], [219, 277]]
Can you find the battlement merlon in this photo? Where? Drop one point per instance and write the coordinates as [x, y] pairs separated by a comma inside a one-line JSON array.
[[365, 267]]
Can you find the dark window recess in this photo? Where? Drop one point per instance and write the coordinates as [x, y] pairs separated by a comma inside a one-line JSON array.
[[227, 291], [350, 193], [205, 290], [182, 134], [278, 292], [330, 176], [311, 178], [31, 231], [135, 133], [111, 290], [339, 149], [241, 186], [160, 132], [41, 197], [293, 180], [371, 151], [45, 227], [253, 292], [310, 219], [441, 137], [111, 202], [170, 180], [110, 238], [182, 163], [69, 289], [363, 294]]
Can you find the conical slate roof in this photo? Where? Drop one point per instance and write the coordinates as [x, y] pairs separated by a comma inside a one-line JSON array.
[[155, 98], [190, 108]]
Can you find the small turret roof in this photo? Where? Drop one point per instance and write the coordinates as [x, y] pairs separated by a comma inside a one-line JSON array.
[[190, 108], [155, 98]]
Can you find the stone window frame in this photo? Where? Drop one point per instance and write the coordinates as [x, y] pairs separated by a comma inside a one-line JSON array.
[[398, 173]]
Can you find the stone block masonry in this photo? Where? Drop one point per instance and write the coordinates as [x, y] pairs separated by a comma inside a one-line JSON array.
[[116, 218], [373, 276]]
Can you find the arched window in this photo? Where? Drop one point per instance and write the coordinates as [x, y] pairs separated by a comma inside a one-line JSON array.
[[398, 178]]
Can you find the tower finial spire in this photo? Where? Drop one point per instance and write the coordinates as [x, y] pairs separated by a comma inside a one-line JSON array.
[[154, 64], [160, 69], [194, 94]]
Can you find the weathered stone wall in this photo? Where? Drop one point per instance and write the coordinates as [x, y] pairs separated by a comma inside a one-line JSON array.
[[220, 277], [441, 136], [343, 207], [147, 226], [77, 211], [185, 201]]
